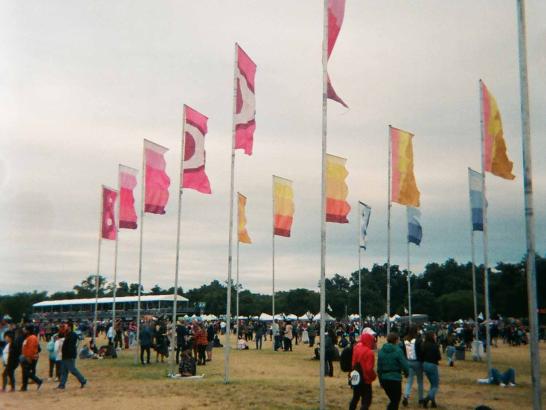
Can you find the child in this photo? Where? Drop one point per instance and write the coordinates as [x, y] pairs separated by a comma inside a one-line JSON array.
[[53, 358], [187, 365]]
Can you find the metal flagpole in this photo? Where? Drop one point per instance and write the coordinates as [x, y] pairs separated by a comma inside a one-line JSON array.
[[116, 265], [473, 253], [389, 205], [237, 290], [177, 262], [529, 210], [97, 280], [359, 283], [142, 200], [323, 206], [409, 284], [273, 262], [227, 343], [485, 250]]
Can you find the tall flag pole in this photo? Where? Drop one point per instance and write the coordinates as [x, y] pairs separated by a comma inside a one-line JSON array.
[[415, 235], [126, 219], [154, 198], [475, 185], [334, 11], [243, 127], [242, 237], [283, 216], [365, 212], [402, 189], [529, 210], [108, 231]]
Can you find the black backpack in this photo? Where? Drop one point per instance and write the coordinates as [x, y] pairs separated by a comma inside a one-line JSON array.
[[346, 359]]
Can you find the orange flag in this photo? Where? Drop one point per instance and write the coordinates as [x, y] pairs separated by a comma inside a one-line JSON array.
[[494, 147], [283, 200], [243, 234], [403, 185], [337, 207]]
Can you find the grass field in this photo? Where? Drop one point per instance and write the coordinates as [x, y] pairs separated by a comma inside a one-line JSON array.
[[261, 380]]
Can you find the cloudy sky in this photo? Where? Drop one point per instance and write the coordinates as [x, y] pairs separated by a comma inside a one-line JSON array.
[[82, 83]]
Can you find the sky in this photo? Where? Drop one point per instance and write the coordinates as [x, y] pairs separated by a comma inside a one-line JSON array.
[[82, 83]]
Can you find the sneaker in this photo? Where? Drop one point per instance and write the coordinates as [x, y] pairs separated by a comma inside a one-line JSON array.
[[39, 385], [59, 387], [502, 385], [405, 402], [433, 404], [483, 381], [82, 384], [512, 384]]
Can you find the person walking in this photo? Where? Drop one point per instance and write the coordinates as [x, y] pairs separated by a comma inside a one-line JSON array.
[[288, 337], [69, 351], [329, 352], [53, 364], [259, 329], [431, 357], [363, 362], [9, 359], [412, 349], [29, 358], [391, 363]]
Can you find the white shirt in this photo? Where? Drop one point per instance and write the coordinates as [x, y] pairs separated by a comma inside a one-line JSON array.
[[59, 349], [410, 349], [5, 354]]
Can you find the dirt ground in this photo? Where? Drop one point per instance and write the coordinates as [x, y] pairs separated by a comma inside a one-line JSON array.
[[261, 380]]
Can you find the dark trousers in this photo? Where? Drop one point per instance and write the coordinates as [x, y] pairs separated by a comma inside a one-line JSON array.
[[311, 341], [362, 392], [142, 350], [258, 341], [118, 340], [8, 374], [54, 365], [278, 342], [179, 349], [201, 349], [328, 365], [393, 389], [29, 372], [287, 344]]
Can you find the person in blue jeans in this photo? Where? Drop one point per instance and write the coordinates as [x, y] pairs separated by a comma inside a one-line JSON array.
[[68, 362], [508, 378], [431, 357], [412, 350]]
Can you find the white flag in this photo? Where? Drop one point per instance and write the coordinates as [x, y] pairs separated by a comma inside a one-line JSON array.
[[365, 212]]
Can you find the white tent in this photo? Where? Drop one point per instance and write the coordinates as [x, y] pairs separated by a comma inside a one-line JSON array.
[[291, 316], [354, 317], [280, 316], [327, 317], [264, 317], [307, 316]]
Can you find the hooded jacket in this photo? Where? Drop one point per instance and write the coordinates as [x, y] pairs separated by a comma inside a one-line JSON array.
[[391, 363], [363, 355]]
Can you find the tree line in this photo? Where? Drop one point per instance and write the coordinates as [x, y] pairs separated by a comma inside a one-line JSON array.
[[442, 290]]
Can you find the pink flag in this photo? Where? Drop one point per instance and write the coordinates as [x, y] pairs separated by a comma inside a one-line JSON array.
[[245, 107], [157, 180], [127, 182], [195, 127], [108, 229], [336, 12]]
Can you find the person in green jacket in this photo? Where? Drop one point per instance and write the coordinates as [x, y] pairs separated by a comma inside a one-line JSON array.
[[391, 363]]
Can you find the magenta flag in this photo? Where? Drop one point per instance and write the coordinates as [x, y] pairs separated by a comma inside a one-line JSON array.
[[108, 228], [336, 12], [127, 183], [194, 176], [157, 181], [245, 106]]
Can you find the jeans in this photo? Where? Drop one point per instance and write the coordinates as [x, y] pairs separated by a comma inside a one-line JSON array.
[[54, 365], [311, 341], [507, 377], [361, 392], [29, 372], [431, 371], [278, 342], [147, 350], [69, 365], [202, 356], [450, 354], [415, 369], [8, 374], [259, 341], [393, 389]]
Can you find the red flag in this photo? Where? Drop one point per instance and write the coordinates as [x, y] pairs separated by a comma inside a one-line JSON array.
[[109, 230], [127, 183], [195, 127], [245, 107], [336, 12], [157, 180]]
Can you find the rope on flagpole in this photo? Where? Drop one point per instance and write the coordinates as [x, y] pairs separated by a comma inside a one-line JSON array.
[[389, 206], [97, 273], [142, 200], [114, 291]]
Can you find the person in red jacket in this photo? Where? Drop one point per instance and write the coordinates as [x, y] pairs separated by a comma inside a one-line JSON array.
[[363, 362], [29, 357]]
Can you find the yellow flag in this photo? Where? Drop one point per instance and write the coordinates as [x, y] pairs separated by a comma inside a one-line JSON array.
[[243, 234]]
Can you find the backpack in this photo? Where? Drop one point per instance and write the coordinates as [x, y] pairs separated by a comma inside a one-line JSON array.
[[346, 359]]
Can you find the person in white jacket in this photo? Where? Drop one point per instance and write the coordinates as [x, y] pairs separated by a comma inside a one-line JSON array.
[[59, 354]]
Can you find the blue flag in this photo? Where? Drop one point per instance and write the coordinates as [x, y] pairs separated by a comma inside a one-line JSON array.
[[475, 185], [365, 212], [415, 232]]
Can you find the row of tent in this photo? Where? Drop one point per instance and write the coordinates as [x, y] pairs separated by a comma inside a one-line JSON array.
[[264, 317]]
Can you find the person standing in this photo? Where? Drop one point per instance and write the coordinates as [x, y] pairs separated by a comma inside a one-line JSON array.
[[9, 359], [69, 351], [275, 331], [210, 340], [312, 332], [145, 338], [29, 358], [202, 342], [288, 337], [259, 328], [181, 339], [431, 357], [329, 348], [412, 346], [363, 361], [391, 363]]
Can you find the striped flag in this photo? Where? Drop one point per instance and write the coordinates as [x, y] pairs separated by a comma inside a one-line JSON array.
[[337, 207], [108, 226], [127, 183], [336, 13], [403, 186], [245, 106], [365, 213], [243, 234], [475, 187], [283, 206], [415, 231]]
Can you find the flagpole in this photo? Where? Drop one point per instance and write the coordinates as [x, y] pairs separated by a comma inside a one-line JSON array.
[[237, 291], [227, 343], [97, 280], [177, 259], [273, 259], [389, 205], [359, 283], [323, 205], [409, 283], [116, 262], [529, 210], [485, 242], [473, 254], [142, 200]]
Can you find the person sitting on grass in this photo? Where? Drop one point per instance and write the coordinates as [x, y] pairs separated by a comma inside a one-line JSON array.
[[242, 344], [508, 378], [188, 366]]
